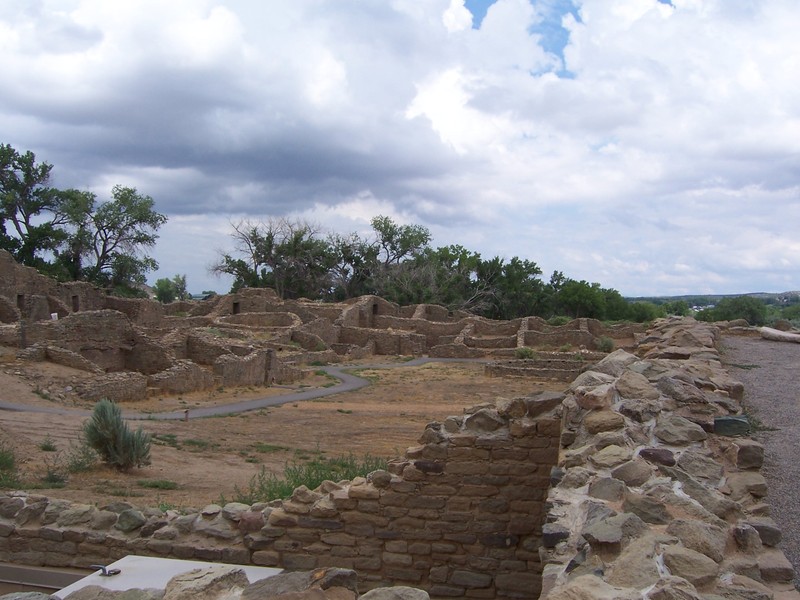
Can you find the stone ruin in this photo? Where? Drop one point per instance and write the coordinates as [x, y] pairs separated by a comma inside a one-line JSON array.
[[639, 481], [132, 348]]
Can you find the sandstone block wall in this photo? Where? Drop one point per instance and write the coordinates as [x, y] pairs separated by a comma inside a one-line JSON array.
[[460, 515]]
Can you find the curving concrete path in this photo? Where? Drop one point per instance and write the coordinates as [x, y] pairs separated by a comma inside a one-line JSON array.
[[347, 383]]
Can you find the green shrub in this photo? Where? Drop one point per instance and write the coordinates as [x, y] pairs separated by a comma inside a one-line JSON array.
[[524, 352], [558, 321], [8, 467], [81, 457], [110, 437], [264, 486], [158, 484], [47, 445], [605, 344]]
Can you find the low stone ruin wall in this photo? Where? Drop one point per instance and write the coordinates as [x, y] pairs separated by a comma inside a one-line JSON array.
[[659, 493], [460, 515], [558, 366]]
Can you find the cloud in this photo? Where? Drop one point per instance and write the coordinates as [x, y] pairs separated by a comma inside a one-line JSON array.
[[646, 145]]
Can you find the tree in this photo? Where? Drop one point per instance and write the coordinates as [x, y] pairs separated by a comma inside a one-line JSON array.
[[581, 299], [398, 242], [118, 231], [676, 307], [355, 262], [753, 310], [101, 244], [169, 290], [29, 209], [165, 290], [288, 256]]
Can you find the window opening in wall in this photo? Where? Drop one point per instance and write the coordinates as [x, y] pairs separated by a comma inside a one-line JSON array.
[[374, 309], [237, 308], [20, 301], [76, 303]]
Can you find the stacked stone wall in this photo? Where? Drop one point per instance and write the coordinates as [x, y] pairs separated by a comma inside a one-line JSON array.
[[118, 387], [139, 311], [232, 370], [460, 515], [182, 377], [658, 493]]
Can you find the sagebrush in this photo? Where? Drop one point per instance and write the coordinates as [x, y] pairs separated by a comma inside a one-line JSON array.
[[113, 441]]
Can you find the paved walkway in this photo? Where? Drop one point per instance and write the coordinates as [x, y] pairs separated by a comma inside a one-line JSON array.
[[347, 383]]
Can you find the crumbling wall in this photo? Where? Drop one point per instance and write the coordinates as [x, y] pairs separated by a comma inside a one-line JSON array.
[[460, 515], [182, 377], [139, 310], [659, 494], [103, 337], [230, 370], [118, 387]]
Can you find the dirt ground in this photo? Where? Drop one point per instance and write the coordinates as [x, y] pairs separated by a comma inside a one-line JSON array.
[[207, 458]]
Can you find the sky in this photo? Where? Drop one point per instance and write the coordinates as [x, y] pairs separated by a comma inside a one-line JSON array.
[[650, 146]]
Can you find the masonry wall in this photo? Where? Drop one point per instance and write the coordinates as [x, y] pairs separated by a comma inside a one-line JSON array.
[[460, 515]]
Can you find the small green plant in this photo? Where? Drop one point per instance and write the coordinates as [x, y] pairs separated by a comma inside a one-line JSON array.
[[344, 411], [198, 445], [166, 439], [8, 467], [55, 475], [558, 321], [265, 486], [605, 344], [565, 348], [745, 367], [524, 353], [110, 437], [579, 357], [164, 506], [81, 457], [47, 445], [158, 484]]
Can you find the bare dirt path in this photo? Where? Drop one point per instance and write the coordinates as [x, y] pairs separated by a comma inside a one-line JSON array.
[[207, 457], [770, 372]]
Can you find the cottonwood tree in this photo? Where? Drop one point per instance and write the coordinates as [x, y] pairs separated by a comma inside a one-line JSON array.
[[289, 256], [67, 234], [30, 210], [107, 242]]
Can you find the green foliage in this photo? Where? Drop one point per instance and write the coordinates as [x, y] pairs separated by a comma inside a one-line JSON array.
[[169, 290], [109, 436], [558, 321], [264, 486], [751, 309], [605, 344], [101, 243], [55, 475], [678, 308], [47, 445], [9, 477], [643, 312], [582, 299], [158, 484], [81, 457], [524, 353]]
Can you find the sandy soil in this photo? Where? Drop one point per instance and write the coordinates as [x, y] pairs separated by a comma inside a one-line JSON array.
[[208, 457]]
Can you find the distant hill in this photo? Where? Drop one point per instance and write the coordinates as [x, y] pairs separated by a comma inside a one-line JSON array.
[[712, 299]]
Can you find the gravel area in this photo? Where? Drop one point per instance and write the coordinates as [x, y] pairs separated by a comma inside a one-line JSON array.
[[770, 372]]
